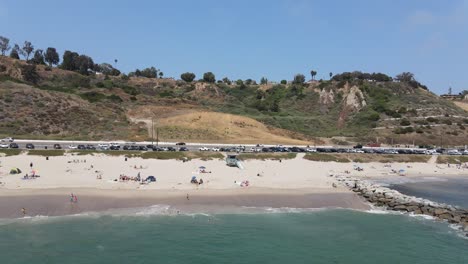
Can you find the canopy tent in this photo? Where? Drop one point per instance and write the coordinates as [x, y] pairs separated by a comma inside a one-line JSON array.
[[15, 171], [150, 179]]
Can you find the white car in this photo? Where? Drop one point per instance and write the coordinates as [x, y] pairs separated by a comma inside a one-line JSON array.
[[465, 152], [72, 146], [431, 152], [203, 149], [8, 139], [311, 150], [453, 152], [103, 146], [359, 151], [215, 149], [113, 144], [4, 145]]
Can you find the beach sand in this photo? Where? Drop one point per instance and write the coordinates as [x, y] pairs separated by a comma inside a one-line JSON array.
[[296, 183]]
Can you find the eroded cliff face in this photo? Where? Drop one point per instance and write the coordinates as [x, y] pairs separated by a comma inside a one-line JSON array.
[[353, 101], [326, 100]]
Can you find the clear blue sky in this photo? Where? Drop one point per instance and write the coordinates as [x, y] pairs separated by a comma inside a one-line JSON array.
[[250, 39]]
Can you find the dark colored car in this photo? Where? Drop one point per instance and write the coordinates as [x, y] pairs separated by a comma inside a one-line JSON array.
[[157, 149], [90, 147], [133, 147], [114, 147], [150, 146], [126, 147], [57, 146], [29, 146], [183, 149], [171, 149], [13, 145], [142, 148], [81, 147], [180, 144]]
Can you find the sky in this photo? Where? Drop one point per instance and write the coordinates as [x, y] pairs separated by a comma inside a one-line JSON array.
[[244, 39]]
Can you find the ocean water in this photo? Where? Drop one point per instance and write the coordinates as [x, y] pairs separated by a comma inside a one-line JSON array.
[[324, 236], [452, 191]]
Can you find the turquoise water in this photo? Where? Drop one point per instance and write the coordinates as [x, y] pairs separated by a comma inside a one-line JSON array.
[[327, 236]]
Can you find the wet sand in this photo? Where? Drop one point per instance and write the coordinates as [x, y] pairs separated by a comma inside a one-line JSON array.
[[56, 202]]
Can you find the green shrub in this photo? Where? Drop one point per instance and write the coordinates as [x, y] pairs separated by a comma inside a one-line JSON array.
[[405, 122]]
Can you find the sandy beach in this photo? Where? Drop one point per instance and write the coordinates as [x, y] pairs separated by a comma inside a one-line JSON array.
[[96, 181]]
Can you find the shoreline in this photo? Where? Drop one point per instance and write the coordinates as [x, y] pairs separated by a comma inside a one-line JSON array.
[[56, 202]]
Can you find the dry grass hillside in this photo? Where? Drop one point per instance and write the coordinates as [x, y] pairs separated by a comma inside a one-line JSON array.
[[462, 104], [203, 126]]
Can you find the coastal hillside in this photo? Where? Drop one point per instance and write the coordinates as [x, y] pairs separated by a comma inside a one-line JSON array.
[[43, 101]]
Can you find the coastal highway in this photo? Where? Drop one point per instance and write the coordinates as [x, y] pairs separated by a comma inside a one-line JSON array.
[[48, 144], [42, 144]]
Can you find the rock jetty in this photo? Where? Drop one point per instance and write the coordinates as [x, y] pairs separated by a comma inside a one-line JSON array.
[[393, 200]]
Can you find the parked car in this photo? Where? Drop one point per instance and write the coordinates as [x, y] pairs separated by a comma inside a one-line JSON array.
[[215, 149], [465, 152], [183, 149], [8, 139], [13, 145], [171, 149], [4, 145], [150, 146], [114, 147], [57, 146], [203, 149], [142, 148], [453, 152], [29, 146], [81, 147], [113, 144], [90, 147], [103, 146], [180, 144], [312, 150], [72, 147]]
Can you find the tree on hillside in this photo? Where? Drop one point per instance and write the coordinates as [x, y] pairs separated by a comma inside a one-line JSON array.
[[29, 73], [4, 45], [38, 57], [27, 49], [313, 74], [161, 74], [107, 69], [331, 75], [51, 56], [68, 61], [299, 79], [15, 52], [150, 72], [209, 77], [284, 82], [83, 64], [227, 81], [187, 77], [264, 80], [405, 77]]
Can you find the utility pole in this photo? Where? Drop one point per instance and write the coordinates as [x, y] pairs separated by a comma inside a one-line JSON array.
[[152, 131], [157, 137]]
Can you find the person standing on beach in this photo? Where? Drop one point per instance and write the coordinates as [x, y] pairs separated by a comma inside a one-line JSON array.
[[72, 198], [23, 210], [31, 165], [188, 197]]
